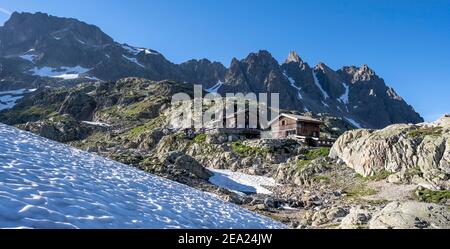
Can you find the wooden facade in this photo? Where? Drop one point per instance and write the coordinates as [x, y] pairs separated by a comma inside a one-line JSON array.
[[289, 125]]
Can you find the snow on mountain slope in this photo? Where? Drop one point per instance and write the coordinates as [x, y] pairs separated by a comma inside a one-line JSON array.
[[134, 60], [66, 73], [317, 83], [292, 82], [353, 122], [215, 88], [344, 97], [45, 184], [8, 99]]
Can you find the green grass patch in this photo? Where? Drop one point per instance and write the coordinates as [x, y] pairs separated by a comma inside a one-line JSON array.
[[245, 150], [28, 114], [37, 110], [434, 196], [383, 174], [311, 155], [143, 108], [200, 138], [110, 113], [301, 164], [359, 176], [111, 110], [136, 109], [379, 176], [422, 132], [413, 171], [318, 152], [324, 179], [150, 125], [359, 190]]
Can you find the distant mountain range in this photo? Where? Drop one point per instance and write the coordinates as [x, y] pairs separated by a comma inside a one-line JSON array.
[[42, 50]]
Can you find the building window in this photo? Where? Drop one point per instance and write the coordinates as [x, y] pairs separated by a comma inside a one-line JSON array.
[[283, 122]]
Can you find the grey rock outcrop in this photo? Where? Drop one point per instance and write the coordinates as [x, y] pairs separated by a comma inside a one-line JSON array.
[[358, 217], [180, 163], [60, 128], [79, 105], [407, 215], [415, 151]]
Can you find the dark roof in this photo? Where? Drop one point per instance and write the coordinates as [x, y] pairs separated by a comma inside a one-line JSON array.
[[296, 117]]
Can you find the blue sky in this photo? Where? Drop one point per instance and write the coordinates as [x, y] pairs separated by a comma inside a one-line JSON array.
[[407, 42]]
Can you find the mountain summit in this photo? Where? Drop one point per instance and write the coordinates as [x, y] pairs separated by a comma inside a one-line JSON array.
[[43, 50], [293, 57]]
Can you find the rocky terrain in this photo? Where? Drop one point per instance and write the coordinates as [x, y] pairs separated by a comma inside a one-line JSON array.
[[70, 82], [128, 121], [418, 154], [39, 50]]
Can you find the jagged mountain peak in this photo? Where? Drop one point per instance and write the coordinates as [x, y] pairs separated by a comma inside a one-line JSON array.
[[261, 57], [293, 57], [203, 62], [200, 61], [323, 67], [365, 68], [262, 53], [43, 50], [234, 61], [361, 69], [349, 69], [364, 73], [18, 17]]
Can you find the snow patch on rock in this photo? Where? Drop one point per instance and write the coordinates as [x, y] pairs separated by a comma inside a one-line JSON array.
[[240, 182], [317, 83], [344, 97], [215, 88], [353, 122], [66, 73], [292, 81], [8, 99], [134, 60], [96, 123]]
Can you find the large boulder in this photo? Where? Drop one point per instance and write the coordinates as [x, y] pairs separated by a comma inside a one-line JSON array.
[[79, 105], [358, 217], [418, 151], [411, 214], [61, 128], [181, 164]]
